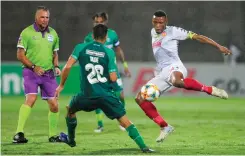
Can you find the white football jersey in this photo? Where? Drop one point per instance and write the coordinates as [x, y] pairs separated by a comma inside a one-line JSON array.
[[165, 45]]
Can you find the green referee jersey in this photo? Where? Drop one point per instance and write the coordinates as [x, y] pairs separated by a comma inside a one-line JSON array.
[[39, 46]]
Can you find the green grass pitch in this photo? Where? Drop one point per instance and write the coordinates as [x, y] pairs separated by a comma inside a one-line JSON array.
[[202, 126]]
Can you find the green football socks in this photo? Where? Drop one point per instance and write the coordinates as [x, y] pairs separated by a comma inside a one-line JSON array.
[[24, 113], [53, 119], [99, 117], [71, 125], [134, 134]]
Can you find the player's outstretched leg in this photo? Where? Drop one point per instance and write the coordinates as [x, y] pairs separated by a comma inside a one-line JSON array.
[[99, 116], [151, 111], [219, 93], [179, 81], [71, 122], [134, 134], [192, 84]]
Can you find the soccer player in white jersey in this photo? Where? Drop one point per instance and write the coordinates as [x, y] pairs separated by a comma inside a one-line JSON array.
[[170, 70]]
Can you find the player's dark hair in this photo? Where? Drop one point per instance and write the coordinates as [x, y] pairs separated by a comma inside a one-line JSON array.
[[42, 8], [103, 15], [100, 31], [160, 13]]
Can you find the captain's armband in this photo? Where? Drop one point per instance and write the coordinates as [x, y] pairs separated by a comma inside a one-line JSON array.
[[191, 34]]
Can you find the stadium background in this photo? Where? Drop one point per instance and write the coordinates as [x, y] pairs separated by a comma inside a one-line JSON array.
[[222, 21]]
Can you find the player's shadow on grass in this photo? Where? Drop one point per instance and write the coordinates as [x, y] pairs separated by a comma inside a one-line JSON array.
[[29, 142], [95, 134], [120, 151], [37, 135]]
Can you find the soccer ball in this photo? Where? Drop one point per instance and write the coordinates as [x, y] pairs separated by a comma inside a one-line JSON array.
[[150, 92]]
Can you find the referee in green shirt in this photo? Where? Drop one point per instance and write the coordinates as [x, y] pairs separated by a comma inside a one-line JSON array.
[[37, 50]]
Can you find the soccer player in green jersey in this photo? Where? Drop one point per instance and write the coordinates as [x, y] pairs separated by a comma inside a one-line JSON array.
[[98, 70], [112, 42], [37, 51]]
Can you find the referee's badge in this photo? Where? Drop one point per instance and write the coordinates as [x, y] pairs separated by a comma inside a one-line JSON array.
[[50, 38]]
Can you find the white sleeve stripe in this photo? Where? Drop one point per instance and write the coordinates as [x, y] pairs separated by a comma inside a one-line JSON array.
[[20, 46], [116, 44], [75, 57], [56, 49]]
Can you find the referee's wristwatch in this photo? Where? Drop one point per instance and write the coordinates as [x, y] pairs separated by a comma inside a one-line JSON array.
[[57, 67], [33, 66]]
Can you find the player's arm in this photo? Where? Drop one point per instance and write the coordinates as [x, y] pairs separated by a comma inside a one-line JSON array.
[[120, 53], [206, 40], [121, 56], [56, 63], [182, 34], [21, 50], [66, 70], [71, 61], [64, 74], [113, 76], [112, 66], [55, 52], [21, 54], [23, 59], [27, 63], [55, 59]]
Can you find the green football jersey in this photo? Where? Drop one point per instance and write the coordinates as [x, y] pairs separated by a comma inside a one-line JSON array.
[[111, 42], [39, 46], [96, 63]]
